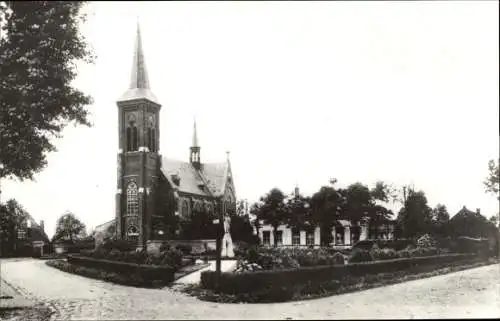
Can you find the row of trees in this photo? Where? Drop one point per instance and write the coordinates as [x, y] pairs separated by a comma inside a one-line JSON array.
[[323, 208], [357, 202]]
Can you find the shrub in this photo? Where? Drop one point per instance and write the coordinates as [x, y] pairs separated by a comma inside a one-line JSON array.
[[120, 245], [384, 254], [184, 248], [165, 247], [423, 251], [366, 245], [359, 255], [283, 258], [426, 241]]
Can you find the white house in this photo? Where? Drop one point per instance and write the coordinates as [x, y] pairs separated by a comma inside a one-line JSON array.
[[289, 237], [344, 234]]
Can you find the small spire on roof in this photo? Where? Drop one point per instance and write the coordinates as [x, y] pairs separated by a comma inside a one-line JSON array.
[[195, 134]]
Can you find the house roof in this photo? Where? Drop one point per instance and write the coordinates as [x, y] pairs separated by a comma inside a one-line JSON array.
[[465, 212], [208, 181], [104, 226]]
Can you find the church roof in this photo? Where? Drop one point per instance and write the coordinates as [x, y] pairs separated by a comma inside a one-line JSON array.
[[139, 81], [208, 181]]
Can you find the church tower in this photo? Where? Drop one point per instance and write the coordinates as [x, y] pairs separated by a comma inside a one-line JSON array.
[[138, 153], [194, 156]]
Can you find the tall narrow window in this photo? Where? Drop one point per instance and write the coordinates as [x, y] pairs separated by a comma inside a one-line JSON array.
[[279, 238], [129, 139], [295, 237], [150, 140], [134, 138], [185, 209], [309, 238], [266, 238], [132, 199], [153, 139]]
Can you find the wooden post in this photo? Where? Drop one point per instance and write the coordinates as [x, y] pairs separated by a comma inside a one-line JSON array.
[[219, 242]]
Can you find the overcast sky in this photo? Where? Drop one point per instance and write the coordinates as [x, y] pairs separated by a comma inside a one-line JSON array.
[[405, 92]]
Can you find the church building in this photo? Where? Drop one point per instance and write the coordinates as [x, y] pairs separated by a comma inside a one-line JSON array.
[[154, 193]]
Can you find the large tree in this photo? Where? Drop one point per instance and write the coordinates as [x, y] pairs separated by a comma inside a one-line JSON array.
[[40, 45], [12, 217], [492, 182], [326, 207], [415, 217], [440, 219], [273, 210], [69, 227]]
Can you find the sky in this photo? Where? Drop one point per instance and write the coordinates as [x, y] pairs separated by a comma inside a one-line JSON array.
[[298, 92]]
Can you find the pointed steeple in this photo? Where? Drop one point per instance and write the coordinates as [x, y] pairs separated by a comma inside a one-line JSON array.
[[194, 157], [139, 81], [139, 76], [195, 135]]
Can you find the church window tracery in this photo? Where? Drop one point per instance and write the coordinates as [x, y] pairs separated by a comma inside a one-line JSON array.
[[132, 199]]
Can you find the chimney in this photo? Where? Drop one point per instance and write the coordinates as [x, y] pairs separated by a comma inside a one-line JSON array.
[[478, 211], [42, 225]]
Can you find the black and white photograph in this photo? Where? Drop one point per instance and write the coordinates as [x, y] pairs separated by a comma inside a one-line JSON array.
[[249, 160]]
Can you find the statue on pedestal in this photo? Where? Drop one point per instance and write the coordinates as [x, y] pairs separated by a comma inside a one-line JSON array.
[[227, 242]]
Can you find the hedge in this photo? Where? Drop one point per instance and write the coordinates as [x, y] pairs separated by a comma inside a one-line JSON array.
[[315, 277], [95, 273], [148, 272]]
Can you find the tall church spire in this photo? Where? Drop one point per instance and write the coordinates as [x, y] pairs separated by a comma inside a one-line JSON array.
[[194, 157], [139, 77], [195, 135], [139, 81]]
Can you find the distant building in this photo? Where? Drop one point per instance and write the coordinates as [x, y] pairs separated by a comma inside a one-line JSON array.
[[30, 240], [344, 233]]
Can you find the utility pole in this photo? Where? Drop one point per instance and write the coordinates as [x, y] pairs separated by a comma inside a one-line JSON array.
[[218, 241]]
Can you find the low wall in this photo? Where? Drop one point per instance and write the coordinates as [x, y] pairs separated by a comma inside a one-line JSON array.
[[198, 246]]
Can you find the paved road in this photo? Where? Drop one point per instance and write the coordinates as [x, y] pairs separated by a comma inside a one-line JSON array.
[[194, 278], [471, 293]]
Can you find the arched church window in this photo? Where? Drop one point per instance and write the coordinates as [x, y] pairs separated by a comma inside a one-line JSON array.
[[129, 139], [151, 133], [132, 136], [132, 199], [185, 209]]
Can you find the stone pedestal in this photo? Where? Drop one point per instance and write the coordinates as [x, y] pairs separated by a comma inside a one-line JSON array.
[[227, 246]]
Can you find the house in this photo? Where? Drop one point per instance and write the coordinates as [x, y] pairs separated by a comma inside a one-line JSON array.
[[344, 234], [31, 239], [289, 237], [154, 191], [470, 223]]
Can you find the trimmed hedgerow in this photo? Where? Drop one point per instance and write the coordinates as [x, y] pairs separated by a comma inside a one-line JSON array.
[[163, 273], [133, 279], [360, 255], [283, 285]]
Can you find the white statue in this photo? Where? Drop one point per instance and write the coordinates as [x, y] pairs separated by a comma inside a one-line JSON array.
[[227, 222], [227, 242]]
